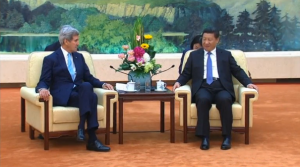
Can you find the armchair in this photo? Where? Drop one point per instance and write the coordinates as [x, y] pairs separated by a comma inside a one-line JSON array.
[[242, 108], [55, 121]]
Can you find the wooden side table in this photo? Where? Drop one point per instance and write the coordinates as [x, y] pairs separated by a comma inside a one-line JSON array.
[[166, 96]]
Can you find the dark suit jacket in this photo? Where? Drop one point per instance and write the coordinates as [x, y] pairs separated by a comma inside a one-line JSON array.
[[53, 47], [55, 75], [227, 66]]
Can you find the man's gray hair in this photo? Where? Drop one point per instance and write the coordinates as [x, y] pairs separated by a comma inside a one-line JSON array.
[[67, 32]]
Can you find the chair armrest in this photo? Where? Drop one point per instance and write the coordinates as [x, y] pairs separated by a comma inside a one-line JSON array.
[[185, 89], [104, 93], [247, 91], [30, 95]]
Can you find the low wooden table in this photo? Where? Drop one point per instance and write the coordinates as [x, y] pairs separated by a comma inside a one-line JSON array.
[[166, 96]]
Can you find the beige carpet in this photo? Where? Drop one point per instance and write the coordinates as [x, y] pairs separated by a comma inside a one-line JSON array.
[[274, 139]]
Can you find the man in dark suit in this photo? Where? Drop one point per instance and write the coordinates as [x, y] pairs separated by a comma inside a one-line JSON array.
[[53, 47], [67, 76], [210, 69]]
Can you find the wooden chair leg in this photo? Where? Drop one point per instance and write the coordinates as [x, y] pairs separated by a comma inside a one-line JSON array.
[[247, 136], [247, 116], [22, 115], [31, 132], [46, 141], [115, 118], [106, 139]]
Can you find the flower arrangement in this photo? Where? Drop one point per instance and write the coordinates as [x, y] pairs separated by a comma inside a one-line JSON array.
[[140, 59]]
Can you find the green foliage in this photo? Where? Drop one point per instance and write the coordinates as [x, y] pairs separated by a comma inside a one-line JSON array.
[[102, 35], [177, 25], [141, 59], [45, 27], [138, 31], [26, 28], [77, 17], [2, 21], [161, 44], [16, 19], [152, 23], [54, 16]]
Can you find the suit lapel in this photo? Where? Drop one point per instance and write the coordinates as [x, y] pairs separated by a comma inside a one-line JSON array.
[[219, 61], [201, 61], [63, 63]]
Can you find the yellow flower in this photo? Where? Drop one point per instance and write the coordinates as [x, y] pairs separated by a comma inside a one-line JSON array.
[[145, 46], [148, 36]]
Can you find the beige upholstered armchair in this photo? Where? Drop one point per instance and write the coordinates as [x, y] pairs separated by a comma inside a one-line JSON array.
[[56, 121], [242, 108]]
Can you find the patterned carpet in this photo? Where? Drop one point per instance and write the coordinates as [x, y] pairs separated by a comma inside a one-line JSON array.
[[274, 139]]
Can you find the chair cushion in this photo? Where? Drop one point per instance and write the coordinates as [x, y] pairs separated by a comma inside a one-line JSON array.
[[71, 114], [237, 111]]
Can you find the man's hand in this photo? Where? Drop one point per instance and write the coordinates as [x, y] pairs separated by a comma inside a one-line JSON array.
[[44, 94], [107, 86], [252, 86], [176, 85]]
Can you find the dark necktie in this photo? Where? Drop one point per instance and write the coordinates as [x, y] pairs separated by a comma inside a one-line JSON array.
[[209, 72]]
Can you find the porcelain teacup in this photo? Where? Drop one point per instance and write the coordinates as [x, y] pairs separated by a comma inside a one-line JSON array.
[[160, 85], [130, 86]]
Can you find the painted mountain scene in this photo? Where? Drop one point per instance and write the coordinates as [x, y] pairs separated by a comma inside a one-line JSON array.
[[106, 25]]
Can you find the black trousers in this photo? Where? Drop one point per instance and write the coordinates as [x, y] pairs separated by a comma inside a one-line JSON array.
[[204, 98], [83, 97]]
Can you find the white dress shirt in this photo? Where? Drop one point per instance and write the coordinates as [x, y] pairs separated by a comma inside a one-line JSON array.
[[213, 57]]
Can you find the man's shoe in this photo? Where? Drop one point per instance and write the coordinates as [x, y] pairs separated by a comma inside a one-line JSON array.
[[226, 145], [97, 146], [80, 135], [204, 144]]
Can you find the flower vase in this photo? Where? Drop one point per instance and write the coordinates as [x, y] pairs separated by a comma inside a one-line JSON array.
[[141, 77]]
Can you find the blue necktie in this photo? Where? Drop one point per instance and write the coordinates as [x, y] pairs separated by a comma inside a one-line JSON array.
[[71, 66], [209, 72]]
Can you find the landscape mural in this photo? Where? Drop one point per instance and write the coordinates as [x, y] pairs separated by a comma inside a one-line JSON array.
[[106, 25]]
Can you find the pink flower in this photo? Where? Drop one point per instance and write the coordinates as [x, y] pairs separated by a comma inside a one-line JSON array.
[[131, 58], [140, 59], [130, 52], [125, 47], [138, 52], [121, 55], [138, 38]]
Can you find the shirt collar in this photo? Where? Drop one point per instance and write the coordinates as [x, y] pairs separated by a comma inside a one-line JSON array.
[[213, 51], [65, 53]]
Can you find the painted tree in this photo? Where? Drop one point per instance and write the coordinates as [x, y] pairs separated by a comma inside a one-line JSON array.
[[225, 24], [102, 35], [244, 29], [2, 20], [261, 25], [296, 29], [275, 25], [3, 8], [26, 28], [15, 18], [77, 17], [287, 33]]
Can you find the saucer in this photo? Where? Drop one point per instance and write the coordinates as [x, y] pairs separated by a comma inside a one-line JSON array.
[[164, 90], [130, 90]]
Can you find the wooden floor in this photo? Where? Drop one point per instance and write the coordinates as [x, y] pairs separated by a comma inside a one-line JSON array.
[[274, 139]]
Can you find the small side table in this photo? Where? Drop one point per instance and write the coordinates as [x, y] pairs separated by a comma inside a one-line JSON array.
[[165, 96]]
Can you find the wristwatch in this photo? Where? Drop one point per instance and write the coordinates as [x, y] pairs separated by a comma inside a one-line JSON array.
[[103, 85]]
